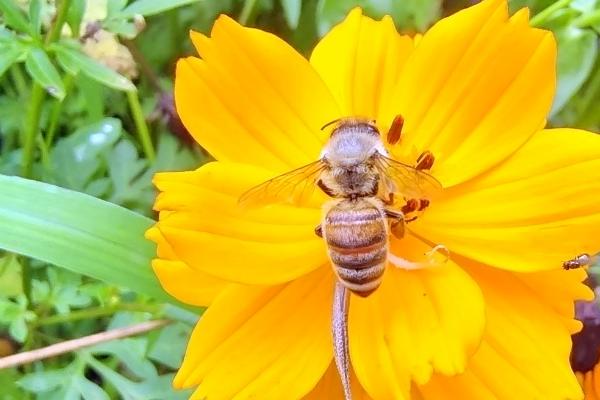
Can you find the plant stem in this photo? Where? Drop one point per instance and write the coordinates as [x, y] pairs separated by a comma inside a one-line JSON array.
[[587, 20], [140, 124], [19, 80], [145, 67], [247, 11], [26, 280], [57, 110], [31, 128], [37, 97], [589, 110], [61, 16], [543, 15], [76, 344], [96, 312]]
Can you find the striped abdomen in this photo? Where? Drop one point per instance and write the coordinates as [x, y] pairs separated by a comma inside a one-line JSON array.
[[356, 236]]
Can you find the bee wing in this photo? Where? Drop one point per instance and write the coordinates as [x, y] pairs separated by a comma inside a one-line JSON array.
[[294, 187], [406, 180]]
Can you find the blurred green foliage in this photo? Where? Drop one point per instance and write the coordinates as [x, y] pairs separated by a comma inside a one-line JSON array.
[[86, 104]]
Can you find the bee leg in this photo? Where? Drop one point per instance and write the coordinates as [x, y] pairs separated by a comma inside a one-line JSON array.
[[339, 330], [398, 221], [319, 231], [325, 189]]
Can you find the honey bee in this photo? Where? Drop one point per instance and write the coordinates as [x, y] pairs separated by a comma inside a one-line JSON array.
[[355, 170]]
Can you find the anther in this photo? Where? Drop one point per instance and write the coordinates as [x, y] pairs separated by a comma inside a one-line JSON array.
[[425, 161], [395, 131], [410, 206]]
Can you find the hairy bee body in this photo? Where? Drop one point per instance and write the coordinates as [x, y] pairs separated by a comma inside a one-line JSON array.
[[356, 234]]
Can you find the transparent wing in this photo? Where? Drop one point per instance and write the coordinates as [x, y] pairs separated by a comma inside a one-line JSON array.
[[397, 177], [294, 187]]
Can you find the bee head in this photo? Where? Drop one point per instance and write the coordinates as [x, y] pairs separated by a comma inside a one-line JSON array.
[[352, 142], [352, 124]]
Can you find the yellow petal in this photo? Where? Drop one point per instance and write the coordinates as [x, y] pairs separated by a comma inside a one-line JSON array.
[[525, 348], [252, 98], [361, 61], [418, 321], [557, 289], [476, 87], [330, 388], [203, 225], [185, 284], [532, 212], [262, 342]]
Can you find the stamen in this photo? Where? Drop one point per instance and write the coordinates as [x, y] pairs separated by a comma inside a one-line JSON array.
[[430, 262], [410, 206], [438, 249], [395, 131], [425, 161]]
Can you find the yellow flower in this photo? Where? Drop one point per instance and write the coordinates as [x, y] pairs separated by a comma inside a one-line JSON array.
[[494, 322]]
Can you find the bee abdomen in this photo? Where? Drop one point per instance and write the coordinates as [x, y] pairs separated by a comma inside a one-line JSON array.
[[357, 243]]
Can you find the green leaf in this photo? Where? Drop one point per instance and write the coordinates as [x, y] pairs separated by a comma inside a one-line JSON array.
[[43, 381], [10, 275], [577, 51], [75, 15], [291, 11], [132, 353], [71, 59], [152, 7], [36, 8], [41, 69], [408, 15], [76, 158], [114, 7], [89, 390], [13, 16], [78, 232], [169, 346], [8, 383], [10, 52]]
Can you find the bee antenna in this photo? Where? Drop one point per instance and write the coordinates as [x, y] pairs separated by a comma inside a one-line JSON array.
[[331, 123]]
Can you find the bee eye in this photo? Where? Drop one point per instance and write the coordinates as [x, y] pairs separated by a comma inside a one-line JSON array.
[[373, 129]]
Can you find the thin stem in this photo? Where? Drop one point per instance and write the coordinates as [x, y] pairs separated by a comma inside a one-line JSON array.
[[541, 17], [38, 94], [80, 343], [26, 280], [31, 128], [44, 152], [145, 67], [586, 20], [16, 73], [57, 110], [247, 11], [61, 16], [96, 312], [589, 109], [140, 124]]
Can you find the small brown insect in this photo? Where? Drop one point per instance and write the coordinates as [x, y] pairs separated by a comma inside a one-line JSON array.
[[581, 260]]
